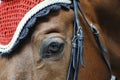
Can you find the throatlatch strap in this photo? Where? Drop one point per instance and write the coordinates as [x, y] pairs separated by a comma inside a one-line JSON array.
[[98, 40]]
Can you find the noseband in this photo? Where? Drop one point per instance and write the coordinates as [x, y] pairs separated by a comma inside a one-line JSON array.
[[77, 57]]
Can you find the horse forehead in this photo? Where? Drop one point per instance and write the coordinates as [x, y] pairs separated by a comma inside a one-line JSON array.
[[56, 21], [61, 16]]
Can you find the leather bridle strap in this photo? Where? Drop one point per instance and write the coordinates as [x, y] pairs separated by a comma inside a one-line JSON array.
[[98, 40], [77, 57]]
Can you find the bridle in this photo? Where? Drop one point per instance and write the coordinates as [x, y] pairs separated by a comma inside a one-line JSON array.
[[77, 57]]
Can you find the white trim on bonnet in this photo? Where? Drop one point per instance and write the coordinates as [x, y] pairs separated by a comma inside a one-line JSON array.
[[0, 1], [28, 15]]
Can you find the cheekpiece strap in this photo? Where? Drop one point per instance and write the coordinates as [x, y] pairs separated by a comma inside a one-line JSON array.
[[77, 57]]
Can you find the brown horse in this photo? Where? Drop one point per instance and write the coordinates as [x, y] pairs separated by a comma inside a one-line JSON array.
[[29, 63]]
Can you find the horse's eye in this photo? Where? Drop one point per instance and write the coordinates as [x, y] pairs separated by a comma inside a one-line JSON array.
[[52, 48]]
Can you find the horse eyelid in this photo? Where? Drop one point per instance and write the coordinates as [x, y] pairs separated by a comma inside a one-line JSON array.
[[52, 31]]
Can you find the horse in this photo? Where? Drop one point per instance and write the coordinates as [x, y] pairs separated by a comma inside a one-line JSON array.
[[54, 33]]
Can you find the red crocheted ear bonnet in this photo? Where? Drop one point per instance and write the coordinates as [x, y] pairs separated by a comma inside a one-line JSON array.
[[14, 15]]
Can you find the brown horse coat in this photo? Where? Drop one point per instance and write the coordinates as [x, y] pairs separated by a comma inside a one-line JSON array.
[[107, 16], [27, 64]]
